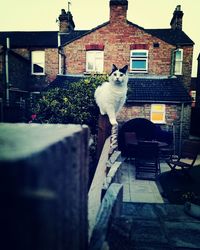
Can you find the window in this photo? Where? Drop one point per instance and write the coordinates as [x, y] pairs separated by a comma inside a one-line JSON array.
[[38, 62], [158, 113], [94, 61], [178, 61], [139, 61]]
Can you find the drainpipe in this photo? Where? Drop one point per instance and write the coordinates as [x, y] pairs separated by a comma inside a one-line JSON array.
[[181, 127], [172, 63], [60, 55], [7, 70]]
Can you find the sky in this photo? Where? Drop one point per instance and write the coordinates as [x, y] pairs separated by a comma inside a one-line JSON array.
[[41, 15]]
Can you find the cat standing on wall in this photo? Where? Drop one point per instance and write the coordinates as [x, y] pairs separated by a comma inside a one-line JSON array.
[[111, 96]]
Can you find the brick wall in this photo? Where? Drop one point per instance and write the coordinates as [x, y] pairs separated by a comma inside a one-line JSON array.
[[51, 64], [117, 40], [187, 66], [172, 115]]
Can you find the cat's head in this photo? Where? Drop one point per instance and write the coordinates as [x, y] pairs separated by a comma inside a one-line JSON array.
[[119, 76]]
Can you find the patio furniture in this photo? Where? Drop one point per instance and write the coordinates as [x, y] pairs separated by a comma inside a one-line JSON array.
[[130, 146], [147, 160], [186, 160]]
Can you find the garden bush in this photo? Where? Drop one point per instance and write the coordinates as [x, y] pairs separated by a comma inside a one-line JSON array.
[[73, 104]]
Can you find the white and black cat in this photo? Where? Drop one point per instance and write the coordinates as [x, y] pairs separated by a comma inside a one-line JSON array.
[[111, 96]]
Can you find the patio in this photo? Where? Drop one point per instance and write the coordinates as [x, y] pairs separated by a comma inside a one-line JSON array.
[[139, 190], [148, 221]]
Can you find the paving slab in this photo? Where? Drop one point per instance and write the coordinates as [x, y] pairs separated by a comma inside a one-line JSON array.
[[154, 226]]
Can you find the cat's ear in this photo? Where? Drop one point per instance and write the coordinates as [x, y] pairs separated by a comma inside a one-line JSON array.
[[124, 69], [114, 68]]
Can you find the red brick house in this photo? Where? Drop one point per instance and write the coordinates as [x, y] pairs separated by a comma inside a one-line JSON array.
[[160, 64]]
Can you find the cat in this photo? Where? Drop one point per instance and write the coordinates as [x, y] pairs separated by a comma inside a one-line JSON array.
[[111, 95]]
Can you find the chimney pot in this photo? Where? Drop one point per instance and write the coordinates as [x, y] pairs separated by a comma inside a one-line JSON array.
[[66, 21], [118, 10], [176, 21]]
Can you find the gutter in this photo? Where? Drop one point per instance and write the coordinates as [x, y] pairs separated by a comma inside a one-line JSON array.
[[153, 101]]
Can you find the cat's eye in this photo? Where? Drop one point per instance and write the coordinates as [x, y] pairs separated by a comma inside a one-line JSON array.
[[121, 74], [115, 74]]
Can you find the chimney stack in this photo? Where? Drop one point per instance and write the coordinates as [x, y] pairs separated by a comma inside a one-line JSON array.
[[176, 22], [118, 10], [66, 22]]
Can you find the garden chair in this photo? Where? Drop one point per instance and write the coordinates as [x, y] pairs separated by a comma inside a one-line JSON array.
[[186, 160], [147, 160], [130, 145]]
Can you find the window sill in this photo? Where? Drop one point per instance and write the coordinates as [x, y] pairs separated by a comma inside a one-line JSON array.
[[34, 74], [93, 73]]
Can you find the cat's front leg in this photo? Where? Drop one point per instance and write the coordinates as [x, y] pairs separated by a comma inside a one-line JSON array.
[[112, 117]]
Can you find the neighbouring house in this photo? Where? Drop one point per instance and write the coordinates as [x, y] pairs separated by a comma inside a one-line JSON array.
[[29, 61], [160, 62], [195, 93]]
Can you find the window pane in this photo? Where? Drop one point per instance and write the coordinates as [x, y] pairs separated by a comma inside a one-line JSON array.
[[94, 61], [38, 62], [158, 113], [139, 54], [138, 64], [178, 66], [157, 116], [37, 68], [157, 107], [178, 55], [99, 65]]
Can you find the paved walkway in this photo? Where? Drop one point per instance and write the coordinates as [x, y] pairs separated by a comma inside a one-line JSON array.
[[147, 222], [139, 190]]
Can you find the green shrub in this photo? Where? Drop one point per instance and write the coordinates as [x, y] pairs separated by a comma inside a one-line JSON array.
[[75, 104]]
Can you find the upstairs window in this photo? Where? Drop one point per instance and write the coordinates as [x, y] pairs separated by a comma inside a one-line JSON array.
[[38, 62], [139, 61], [178, 61], [158, 113], [94, 61], [94, 58]]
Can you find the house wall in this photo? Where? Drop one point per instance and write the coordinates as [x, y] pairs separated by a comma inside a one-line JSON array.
[[173, 117], [187, 66], [51, 65], [117, 40]]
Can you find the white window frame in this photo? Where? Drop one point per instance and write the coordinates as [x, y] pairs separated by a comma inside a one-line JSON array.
[[139, 58], [155, 110], [38, 58], [178, 62], [98, 56]]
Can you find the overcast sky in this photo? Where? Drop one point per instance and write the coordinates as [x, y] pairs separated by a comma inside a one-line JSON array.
[[33, 15]]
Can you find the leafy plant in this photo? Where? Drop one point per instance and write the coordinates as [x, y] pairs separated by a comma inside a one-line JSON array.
[[73, 104]]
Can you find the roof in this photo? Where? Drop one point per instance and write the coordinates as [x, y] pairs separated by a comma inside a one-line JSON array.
[[141, 90], [174, 37], [157, 90], [49, 39], [42, 39], [62, 81]]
